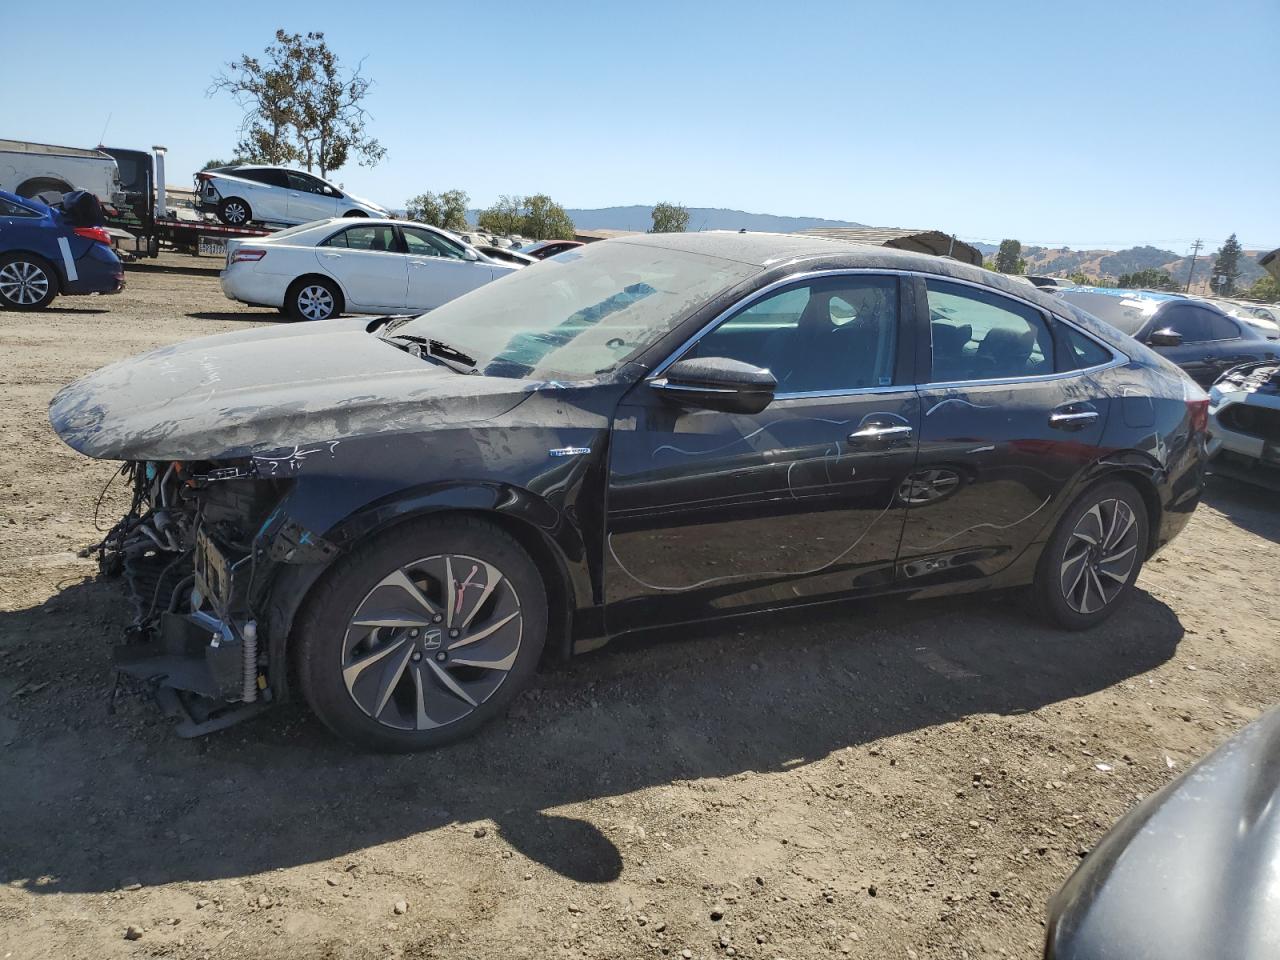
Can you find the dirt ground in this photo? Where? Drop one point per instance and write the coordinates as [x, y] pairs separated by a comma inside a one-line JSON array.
[[885, 780]]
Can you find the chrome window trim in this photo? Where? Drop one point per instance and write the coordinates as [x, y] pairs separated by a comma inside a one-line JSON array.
[[746, 302], [1117, 358]]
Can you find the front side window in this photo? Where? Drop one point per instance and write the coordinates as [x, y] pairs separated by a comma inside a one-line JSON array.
[[1187, 321], [979, 335], [424, 243], [828, 335], [377, 238], [300, 181], [582, 314]]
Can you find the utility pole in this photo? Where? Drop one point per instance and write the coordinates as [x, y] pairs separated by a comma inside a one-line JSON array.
[[1195, 253]]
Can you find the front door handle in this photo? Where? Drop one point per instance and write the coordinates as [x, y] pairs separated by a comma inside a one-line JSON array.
[[877, 434]]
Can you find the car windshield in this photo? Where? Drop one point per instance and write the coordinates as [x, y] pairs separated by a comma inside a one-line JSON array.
[[1126, 314], [581, 314]]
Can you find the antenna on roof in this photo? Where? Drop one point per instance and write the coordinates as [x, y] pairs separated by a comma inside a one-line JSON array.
[[103, 135]]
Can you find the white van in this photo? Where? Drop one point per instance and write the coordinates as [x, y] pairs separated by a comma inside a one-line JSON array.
[[44, 171]]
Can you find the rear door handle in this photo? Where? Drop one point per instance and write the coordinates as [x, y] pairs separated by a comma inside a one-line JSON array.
[[332, 256], [876, 434], [1072, 419]]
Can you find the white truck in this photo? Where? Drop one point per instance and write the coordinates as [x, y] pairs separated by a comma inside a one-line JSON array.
[[44, 171]]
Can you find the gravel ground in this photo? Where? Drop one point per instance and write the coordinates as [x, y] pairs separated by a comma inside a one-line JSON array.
[[883, 780]]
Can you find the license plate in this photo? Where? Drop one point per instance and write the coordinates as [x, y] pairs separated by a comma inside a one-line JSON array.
[[212, 247]]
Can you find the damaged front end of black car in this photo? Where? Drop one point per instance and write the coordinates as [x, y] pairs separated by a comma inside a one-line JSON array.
[[197, 550]]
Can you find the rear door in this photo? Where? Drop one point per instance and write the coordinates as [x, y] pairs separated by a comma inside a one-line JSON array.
[[711, 512], [1009, 417], [439, 270], [366, 259]]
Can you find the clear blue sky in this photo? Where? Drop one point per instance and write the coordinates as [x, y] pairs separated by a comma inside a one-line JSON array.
[[1084, 123]]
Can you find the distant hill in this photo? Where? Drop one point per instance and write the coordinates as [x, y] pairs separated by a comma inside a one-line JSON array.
[[640, 217], [1062, 261]]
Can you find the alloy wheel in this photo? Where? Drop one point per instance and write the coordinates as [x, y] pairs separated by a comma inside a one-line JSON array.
[[315, 302], [23, 283], [234, 212], [432, 641], [1100, 556]]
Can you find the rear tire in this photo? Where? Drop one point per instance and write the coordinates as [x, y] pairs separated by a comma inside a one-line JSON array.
[[423, 635], [235, 212], [1096, 553], [27, 282], [313, 298]]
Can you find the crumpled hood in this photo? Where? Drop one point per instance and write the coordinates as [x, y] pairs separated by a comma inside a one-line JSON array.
[[267, 389]]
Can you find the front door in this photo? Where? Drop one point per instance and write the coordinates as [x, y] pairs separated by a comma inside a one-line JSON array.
[[308, 198], [367, 261], [1004, 428], [712, 512], [439, 270]]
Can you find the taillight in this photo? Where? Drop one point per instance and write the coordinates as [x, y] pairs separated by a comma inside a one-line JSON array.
[[248, 256], [1199, 412], [96, 234]]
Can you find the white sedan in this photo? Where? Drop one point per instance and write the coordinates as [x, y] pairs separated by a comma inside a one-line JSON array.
[[319, 270], [253, 192]]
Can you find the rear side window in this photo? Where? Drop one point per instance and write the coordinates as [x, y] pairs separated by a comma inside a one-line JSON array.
[[1220, 327], [10, 209], [374, 238], [1081, 351], [272, 178], [981, 335]]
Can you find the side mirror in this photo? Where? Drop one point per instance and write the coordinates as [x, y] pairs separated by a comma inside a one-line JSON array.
[[717, 383], [469, 254], [1165, 338]]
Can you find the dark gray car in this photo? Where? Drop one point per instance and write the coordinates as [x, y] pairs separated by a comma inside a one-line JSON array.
[[1192, 873], [1198, 336]]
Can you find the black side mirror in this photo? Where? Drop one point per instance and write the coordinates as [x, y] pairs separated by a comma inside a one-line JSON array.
[[1165, 338], [717, 383]]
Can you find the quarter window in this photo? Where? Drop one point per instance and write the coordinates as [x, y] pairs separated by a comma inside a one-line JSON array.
[[10, 209], [978, 335], [834, 334], [374, 238], [1083, 352]]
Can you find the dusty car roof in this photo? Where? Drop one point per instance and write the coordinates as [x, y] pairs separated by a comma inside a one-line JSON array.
[[771, 249]]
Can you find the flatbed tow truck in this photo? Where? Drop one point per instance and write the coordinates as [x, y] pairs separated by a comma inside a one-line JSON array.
[[147, 220]]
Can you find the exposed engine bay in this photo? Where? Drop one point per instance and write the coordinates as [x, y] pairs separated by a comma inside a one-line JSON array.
[[1245, 412], [191, 549]]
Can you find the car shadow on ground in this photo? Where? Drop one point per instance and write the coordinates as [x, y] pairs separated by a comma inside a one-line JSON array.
[[76, 310], [264, 316], [1249, 507], [92, 799]]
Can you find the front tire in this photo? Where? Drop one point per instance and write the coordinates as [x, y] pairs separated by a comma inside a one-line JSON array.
[[1094, 556], [423, 635], [313, 298], [27, 282], [235, 212]]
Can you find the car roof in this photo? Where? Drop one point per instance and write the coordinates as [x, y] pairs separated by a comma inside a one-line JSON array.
[[769, 250], [1126, 292]]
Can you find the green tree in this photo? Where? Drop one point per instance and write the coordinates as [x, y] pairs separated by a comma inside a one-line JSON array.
[[544, 219], [1149, 279], [670, 218], [447, 210], [1081, 279], [538, 217], [504, 217], [1009, 257], [1226, 268], [1266, 289], [211, 164], [299, 105]]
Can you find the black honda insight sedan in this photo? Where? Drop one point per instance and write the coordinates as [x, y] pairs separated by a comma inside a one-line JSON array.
[[405, 514]]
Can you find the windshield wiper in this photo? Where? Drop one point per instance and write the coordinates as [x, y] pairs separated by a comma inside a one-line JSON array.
[[435, 350]]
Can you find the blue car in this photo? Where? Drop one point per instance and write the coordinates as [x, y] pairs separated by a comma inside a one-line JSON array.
[[43, 252]]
